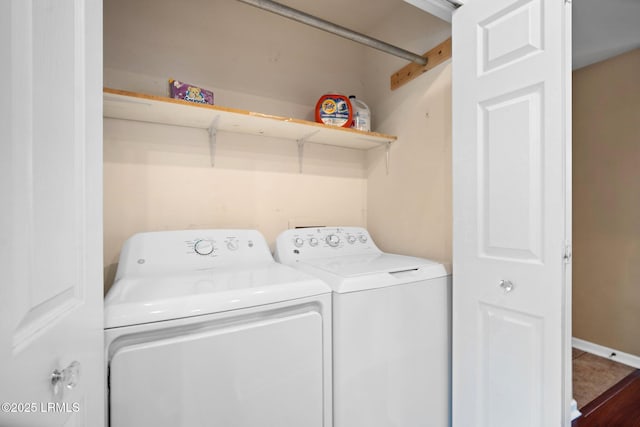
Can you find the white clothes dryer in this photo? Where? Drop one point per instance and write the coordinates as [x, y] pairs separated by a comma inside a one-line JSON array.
[[391, 327], [204, 328]]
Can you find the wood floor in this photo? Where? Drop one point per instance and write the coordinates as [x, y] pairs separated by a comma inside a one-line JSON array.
[[619, 406]]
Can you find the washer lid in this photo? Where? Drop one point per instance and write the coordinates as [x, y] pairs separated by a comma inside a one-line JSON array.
[[145, 299], [367, 264], [364, 272]]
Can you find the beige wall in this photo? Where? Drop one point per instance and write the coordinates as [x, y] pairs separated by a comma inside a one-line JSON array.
[[159, 177], [252, 59], [606, 203], [409, 209]]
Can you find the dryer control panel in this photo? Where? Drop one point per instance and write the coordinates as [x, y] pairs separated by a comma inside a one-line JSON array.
[[321, 242], [152, 253]]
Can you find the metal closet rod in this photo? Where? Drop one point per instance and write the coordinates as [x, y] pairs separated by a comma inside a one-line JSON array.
[[332, 28]]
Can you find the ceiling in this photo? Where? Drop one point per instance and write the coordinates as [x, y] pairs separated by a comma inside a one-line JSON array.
[[604, 28]]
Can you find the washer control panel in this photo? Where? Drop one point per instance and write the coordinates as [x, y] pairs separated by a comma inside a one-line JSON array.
[[216, 245], [333, 240], [317, 242], [203, 247], [228, 244], [184, 250]]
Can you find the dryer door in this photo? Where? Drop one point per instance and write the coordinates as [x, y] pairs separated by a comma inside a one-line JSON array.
[[253, 370]]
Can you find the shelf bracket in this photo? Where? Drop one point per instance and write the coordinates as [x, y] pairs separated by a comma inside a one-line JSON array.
[[213, 130], [300, 154], [301, 141], [387, 154]]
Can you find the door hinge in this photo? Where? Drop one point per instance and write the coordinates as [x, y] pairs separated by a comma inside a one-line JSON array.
[[567, 253]]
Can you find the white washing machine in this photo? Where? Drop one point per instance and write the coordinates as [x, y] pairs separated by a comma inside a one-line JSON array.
[[391, 327], [204, 328]]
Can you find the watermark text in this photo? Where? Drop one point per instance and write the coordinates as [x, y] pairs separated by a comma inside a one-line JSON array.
[[40, 407]]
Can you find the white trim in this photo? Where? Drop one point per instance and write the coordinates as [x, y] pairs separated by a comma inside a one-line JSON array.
[[602, 351], [440, 8], [575, 413], [567, 386]]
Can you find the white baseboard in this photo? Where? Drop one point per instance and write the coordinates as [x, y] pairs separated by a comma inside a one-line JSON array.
[[574, 410], [609, 353]]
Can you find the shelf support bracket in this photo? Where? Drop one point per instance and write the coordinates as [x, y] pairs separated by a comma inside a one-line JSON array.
[[301, 141], [387, 154], [300, 154], [213, 130]]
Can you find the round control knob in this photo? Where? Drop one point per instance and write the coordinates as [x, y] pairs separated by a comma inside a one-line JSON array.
[[313, 242], [333, 240], [203, 247], [351, 239], [232, 245], [362, 238], [298, 242]]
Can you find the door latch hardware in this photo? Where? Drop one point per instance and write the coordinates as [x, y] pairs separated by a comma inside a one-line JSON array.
[[506, 285], [568, 253], [65, 378]]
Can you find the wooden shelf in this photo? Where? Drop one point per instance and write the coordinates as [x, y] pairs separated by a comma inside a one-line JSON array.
[[125, 105]]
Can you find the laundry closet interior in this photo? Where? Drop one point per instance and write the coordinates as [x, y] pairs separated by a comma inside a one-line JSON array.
[[161, 177]]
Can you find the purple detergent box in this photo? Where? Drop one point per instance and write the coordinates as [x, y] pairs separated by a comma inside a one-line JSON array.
[[188, 92]]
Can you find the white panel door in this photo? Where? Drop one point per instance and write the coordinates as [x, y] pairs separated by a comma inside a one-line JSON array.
[[51, 212], [510, 153]]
